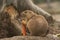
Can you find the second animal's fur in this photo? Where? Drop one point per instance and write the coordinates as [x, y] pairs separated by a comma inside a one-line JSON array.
[[36, 24], [13, 13], [11, 10]]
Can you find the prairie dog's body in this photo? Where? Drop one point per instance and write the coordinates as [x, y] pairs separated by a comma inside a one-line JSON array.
[[36, 24]]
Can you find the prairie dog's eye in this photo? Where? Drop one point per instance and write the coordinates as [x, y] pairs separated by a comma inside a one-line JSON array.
[[25, 12]]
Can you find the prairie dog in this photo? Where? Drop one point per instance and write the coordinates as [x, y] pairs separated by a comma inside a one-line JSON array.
[[36, 24]]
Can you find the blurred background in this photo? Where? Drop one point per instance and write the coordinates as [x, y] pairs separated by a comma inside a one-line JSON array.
[[51, 6]]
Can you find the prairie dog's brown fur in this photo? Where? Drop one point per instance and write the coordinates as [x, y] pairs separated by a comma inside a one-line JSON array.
[[11, 10], [36, 24]]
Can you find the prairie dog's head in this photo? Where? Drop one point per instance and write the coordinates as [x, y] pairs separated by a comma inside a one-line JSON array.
[[10, 9], [28, 14]]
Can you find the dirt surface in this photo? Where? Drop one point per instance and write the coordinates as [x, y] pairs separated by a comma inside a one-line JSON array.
[[30, 38]]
